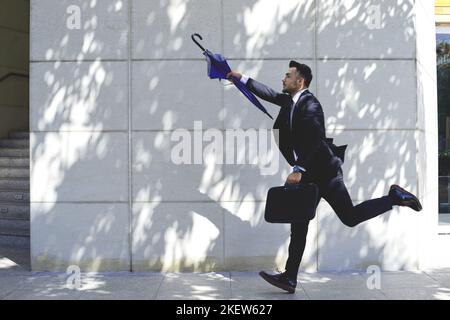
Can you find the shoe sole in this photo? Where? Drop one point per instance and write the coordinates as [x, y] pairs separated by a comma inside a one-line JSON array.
[[276, 284], [417, 200]]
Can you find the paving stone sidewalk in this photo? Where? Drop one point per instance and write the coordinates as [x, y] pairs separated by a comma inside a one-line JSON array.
[[17, 283]]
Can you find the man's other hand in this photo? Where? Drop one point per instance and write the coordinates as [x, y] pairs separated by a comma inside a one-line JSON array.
[[294, 178], [237, 75]]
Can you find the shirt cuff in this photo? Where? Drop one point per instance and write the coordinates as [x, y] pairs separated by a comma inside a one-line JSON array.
[[244, 79], [297, 168]]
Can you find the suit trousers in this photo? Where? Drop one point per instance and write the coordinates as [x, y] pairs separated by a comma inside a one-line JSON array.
[[335, 193]]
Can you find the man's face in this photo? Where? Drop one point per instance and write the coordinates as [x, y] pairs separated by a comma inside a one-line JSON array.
[[292, 82]]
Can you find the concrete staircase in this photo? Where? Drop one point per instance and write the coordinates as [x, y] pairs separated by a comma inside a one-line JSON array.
[[15, 191]]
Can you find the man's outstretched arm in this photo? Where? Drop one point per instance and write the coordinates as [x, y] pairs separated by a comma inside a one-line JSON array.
[[262, 91]]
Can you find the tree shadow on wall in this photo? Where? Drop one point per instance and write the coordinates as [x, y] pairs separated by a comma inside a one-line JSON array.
[[208, 216]]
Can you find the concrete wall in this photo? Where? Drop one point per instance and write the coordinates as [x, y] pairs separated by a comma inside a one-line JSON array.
[[14, 57], [106, 99]]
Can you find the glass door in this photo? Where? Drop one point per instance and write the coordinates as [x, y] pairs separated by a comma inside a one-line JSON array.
[[443, 86]]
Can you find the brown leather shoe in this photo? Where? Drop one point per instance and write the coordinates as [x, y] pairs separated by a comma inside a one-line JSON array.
[[280, 281]]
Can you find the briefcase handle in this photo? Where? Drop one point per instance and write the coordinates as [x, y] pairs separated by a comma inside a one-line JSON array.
[[292, 186]]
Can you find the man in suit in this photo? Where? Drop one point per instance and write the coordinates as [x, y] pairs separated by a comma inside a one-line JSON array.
[[303, 143]]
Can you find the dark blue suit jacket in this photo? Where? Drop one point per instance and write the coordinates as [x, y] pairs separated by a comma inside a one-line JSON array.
[[317, 154]]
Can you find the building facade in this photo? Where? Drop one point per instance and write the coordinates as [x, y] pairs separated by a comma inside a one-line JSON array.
[[115, 84]]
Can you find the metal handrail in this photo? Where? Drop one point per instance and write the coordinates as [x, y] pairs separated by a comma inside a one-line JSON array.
[[14, 74]]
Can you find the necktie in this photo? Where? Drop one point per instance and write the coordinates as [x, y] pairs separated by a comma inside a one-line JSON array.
[[292, 113]]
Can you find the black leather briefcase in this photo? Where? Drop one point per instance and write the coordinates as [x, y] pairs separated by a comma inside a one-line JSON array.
[[292, 203]]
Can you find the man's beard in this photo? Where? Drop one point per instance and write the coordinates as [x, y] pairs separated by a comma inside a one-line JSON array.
[[284, 90]]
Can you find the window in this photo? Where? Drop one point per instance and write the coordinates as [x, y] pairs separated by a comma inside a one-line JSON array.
[[443, 87], [442, 13]]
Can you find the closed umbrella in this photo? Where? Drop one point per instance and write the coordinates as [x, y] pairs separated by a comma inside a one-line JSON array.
[[218, 68]]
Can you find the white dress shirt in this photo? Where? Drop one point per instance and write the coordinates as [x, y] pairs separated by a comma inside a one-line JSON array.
[[294, 102]]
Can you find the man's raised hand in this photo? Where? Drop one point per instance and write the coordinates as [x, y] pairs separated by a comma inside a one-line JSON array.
[[237, 75]]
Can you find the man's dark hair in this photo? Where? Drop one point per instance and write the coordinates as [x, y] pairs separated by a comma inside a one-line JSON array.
[[303, 71]]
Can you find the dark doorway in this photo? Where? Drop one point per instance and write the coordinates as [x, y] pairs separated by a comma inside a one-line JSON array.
[[14, 135]]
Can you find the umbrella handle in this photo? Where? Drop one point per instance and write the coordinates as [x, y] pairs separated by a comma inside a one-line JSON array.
[[198, 36]]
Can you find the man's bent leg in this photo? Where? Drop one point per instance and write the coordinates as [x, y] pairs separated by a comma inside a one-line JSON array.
[[337, 196]]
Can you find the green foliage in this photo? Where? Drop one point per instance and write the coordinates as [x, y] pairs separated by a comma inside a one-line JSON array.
[[445, 154], [443, 48]]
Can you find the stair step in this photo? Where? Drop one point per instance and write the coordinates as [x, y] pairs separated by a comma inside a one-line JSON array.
[[14, 162], [15, 224], [14, 143], [15, 184], [15, 191], [6, 172], [14, 238], [17, 196], [19, 135], [14, 232], [10, 210], [14, 152]]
